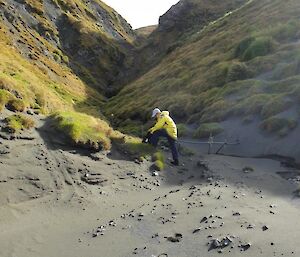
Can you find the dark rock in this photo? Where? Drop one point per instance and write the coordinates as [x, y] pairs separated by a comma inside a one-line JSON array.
[[248, 169], [95, 234], [226, 241], [204, 219], [245, 247], [197, 230], [176, 238], [174, 191], [4, 150], [250, 226], [264, 228], [155, 235], [96, 157], [112, 223], [215, 244], [93, 179]]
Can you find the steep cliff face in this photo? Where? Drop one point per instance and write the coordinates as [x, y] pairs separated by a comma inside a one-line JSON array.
[[189, 14], [87, 36]]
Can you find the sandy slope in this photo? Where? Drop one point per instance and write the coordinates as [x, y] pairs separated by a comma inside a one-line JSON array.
[[48, 211]]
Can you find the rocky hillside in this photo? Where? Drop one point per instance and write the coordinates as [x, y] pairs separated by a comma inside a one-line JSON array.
[[240, 71], [88, 38]]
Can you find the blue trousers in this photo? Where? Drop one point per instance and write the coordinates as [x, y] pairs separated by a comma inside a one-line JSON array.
[[154, 138]]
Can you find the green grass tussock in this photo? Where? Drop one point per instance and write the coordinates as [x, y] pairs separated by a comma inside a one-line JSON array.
[[275, 106], [285, 32], [18, 122], [207, 129], [87, 131], [259, 46], [16, 105], [238, 71], [243, 46], [279, 126], [218, 111], [84, 130], [5, 97], [251, 105]]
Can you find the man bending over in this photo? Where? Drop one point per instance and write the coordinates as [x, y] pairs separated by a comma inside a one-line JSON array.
[[164, 127]]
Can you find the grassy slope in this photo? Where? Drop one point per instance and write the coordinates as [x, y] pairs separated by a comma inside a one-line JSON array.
[[89, 38], [38, 87], [176, 27], [38, 68], [246, 63]]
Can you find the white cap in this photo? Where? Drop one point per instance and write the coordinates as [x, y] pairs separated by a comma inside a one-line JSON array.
[[155, 111]]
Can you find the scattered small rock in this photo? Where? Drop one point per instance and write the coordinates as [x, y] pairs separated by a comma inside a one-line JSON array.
[[197, 230], [250, 226], [204, 219], [248, 169], [245, 247], [220, 244], [176, 238], [264, 228]]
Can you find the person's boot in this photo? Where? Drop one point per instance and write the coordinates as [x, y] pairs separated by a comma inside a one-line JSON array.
[[175, 163]]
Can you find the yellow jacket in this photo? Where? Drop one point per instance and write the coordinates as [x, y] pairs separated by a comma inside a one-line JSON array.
[[165, 122]]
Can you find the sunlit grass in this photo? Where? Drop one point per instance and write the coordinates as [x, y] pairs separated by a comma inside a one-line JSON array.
[[18, 122], [84, 130]]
